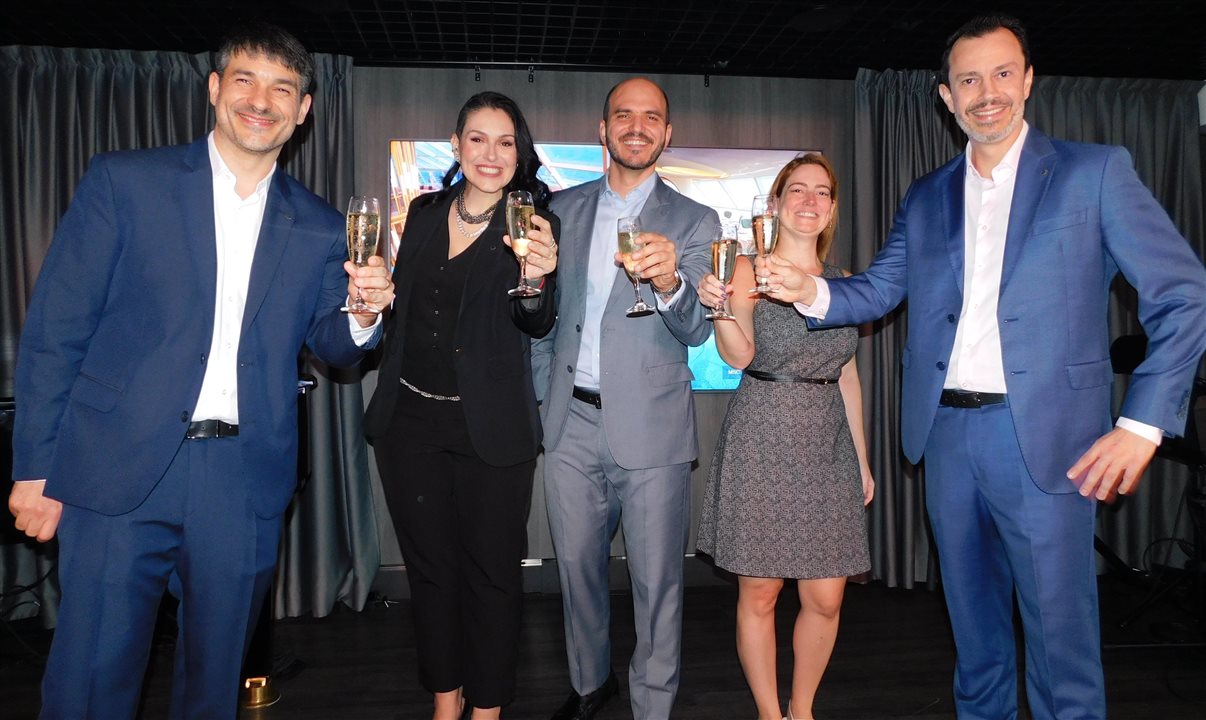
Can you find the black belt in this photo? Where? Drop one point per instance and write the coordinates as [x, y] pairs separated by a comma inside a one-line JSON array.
[[206, 429], [969, 399], [776, 377], [586, 396]]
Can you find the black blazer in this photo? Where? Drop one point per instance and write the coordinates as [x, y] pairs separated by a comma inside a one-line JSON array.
[[492, 358]]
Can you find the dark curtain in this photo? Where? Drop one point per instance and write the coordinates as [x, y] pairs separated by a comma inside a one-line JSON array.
[[903, 131], [64, 106], [900, 135]]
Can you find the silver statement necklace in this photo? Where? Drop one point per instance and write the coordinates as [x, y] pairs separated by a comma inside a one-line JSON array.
[[464, 216]]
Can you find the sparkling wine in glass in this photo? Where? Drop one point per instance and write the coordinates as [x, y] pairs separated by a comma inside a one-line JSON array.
[[724, 260], [364, 226], [629, 230], [519, 222], [765, 221]]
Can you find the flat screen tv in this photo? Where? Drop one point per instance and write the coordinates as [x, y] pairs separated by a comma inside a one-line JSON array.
[[725, 179]]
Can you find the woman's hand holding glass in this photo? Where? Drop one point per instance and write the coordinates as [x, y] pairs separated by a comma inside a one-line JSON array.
[[712, 292], [542, 250]]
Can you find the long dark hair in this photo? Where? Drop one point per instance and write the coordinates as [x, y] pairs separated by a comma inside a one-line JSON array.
[[525, 171]]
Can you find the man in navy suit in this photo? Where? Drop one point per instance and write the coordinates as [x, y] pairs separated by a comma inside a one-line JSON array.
[[157, 380], [1006, 255]]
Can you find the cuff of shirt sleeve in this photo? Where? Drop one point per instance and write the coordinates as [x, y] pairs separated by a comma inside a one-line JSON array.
[[667, 304], [360, 335], [1143, 430], [820, 306]]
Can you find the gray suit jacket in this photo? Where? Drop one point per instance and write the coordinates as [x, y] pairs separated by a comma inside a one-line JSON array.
[[648, 413]]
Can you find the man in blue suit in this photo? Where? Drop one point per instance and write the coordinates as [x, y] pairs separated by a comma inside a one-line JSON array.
[[157, 380], [1006, 255]]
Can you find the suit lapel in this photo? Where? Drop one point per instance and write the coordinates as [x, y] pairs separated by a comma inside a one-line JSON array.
[[1035, 168], [279, 216], [953, 218], [580, 216], [194, 193], [419, 231]]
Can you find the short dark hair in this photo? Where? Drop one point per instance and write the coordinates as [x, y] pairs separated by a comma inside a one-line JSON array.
[[612, 91], [525, 149], [980, 26], [271, 41]]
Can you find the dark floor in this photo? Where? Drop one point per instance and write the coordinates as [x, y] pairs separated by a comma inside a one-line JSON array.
[[893, 660]]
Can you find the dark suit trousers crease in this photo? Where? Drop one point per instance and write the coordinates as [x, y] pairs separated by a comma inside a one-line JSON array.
[[462, 527], [194, 535]]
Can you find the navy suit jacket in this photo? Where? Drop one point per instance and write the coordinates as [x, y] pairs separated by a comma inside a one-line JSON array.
[[1079, 216], [114, 346]]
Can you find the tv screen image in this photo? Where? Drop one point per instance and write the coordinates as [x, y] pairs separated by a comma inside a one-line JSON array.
[[724, 179]]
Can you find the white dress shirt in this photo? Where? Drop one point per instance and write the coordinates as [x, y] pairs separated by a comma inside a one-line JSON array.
[[236, 231]]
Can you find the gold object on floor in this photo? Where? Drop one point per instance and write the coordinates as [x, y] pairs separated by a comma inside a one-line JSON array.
[[258, 692]]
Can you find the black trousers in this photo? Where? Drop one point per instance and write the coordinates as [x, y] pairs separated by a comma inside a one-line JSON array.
[[462, 527]]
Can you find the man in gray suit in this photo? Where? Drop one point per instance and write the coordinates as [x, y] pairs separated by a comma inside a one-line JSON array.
[[619, 421]]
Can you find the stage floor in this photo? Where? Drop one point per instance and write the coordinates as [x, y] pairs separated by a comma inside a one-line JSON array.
[[893, 659]]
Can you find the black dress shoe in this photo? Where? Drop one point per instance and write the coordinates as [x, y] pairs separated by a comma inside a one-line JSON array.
[[585, 707]]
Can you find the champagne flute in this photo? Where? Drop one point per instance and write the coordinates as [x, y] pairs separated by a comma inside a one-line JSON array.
[[519, 222], [629, 230], [765, 219], [724, 260], [364, 225]]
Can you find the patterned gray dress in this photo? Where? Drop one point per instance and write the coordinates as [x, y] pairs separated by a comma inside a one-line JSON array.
[[784, 497]]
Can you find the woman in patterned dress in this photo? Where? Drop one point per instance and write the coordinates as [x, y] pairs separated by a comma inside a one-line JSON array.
[[790, 478]]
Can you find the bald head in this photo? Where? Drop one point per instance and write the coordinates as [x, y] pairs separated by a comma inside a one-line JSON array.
[[638, 81]]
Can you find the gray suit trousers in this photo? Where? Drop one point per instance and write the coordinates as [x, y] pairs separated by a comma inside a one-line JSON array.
[[587, 495]]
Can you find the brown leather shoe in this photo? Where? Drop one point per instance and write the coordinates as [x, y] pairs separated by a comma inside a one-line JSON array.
[[585, 707]]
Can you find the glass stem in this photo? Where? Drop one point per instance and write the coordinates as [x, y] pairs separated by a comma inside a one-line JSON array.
[[523, 271]]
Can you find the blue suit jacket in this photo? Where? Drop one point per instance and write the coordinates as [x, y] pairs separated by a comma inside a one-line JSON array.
[[114, 345], [1079, 216]]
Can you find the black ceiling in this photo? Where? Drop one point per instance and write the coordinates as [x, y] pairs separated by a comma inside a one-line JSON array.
[[814, 39]]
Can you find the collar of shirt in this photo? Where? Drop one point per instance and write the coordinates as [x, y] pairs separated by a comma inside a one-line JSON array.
[[636, 197], [1008, 165], [224, 177]]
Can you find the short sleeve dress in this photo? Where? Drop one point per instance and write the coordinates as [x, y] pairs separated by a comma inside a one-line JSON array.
[[784, 496]]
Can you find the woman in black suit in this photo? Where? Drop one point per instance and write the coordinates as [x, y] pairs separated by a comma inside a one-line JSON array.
[[454, 421]]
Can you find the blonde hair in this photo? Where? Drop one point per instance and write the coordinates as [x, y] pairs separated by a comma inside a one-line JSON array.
[[825, 240]]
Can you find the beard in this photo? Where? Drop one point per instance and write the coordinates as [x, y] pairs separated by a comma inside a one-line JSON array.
[[966, 123], [615, 148]]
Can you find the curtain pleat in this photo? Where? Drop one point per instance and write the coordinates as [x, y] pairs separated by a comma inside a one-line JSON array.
[[330, 550], [900, 135]]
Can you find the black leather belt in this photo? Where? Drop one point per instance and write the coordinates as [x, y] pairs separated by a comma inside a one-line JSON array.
[[776, 377], [969, 399], [206, 429], [586, 396]]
